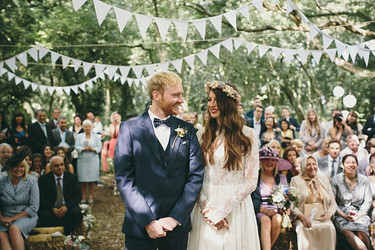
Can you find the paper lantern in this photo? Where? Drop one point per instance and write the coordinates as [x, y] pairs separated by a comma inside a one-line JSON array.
[[338, 91], [349, 101]]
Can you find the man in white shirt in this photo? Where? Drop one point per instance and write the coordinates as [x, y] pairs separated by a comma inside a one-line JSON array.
[[329, 165], [5, 154], [353, 148]]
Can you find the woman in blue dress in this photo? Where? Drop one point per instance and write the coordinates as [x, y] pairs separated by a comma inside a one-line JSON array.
[[19, 130], [19, 202]]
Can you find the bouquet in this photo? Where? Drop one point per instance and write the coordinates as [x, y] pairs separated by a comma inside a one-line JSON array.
[[285, 198]]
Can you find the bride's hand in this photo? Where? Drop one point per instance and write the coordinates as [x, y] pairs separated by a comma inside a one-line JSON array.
[[222, 224]]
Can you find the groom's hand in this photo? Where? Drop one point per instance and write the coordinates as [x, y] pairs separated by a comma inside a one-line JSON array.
[[168, 223], [155, 230]]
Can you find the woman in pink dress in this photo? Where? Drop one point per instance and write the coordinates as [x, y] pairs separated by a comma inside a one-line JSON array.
[[114, 129]]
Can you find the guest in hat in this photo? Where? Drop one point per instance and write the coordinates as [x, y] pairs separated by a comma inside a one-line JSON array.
[[19, 202], [268, 216]]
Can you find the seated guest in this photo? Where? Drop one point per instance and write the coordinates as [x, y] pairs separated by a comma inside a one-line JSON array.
[[47, 154], [268, 215], [290, 154], [275, 145], [270, 133], [371, 178], [324, 151], [5, 154], [314, 191], [62, 137], [364, 163], [311, 132], [60, 151], [330, 165], [37, 164], [60, 194], [298, 145], [286, 133], [353, 148], [353, 196], [19, 202]]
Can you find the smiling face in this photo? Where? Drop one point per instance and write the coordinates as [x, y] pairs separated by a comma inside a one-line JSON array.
[[87, 128], [258, 113], [312, 116], [350, 165], [269, 165], [267, 114], [269, 122], [291, 156], [57, 166], [311, 167], [212, 106], [353, 144], [19, 119], [170, 100], [284, 125], [41, 117], [61, 153], [18, 171], [5, 153], [48, 151]]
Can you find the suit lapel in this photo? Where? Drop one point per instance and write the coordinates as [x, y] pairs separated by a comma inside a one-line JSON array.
[[174, 147], [149, 135]]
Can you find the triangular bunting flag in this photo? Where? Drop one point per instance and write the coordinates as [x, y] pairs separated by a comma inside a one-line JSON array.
[[231, 17], [86, 67], [75, 89], [130, 81], [237, 42], [276, 52], [340, 47], [82, 86], [122, 79], [215, 50], [177, 64], [345, 54], [150, 68], [17, 80], [22, 58], [89, 83], [163, 66], [111, 70], [228, 44], [99, 68], [122, 17], [327, 40], [26, 83], [163, 26], [143, 24], [67, 90], [244, 10], [138, 71], [11, 62], [289, 54], [182, 27], [263, 50], [101, 10], [353, 50], [216, 22], [303, 54], [2, 70], [42, 52], [78, 4], [143, 81], [200, 25], [59, 90], [289, 7], [124, 71], [116, 77], [42, 88], [203, 56], [258, 4], [250, 47], [365, 53], [313, 31], [10, 76], [34, 86], [136, 82], [65, 61], [51, 90], [317, 54], [33, 52], [190, 60], [54, 57], [77, 64], [303, 17], [331, 54]]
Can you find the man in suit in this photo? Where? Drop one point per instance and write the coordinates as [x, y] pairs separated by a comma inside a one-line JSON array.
[[54, 122], [40, 133], [63, 137], [257, 123], [256, 102], [329, 165], [60, 195], [159, 170], [369, 127], [293, 123]]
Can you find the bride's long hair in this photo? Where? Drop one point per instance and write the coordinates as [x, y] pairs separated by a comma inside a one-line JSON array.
[[236, 144]]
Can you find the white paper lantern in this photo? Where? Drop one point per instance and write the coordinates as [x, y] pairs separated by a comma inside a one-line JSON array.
[[338, 91], [349, 101]]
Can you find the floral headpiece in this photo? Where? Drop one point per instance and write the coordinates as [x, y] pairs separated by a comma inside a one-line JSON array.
[[231, 92]]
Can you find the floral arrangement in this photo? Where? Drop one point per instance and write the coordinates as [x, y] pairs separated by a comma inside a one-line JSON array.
[[181, 132], [76, 242], [285, 198], [231, 92]]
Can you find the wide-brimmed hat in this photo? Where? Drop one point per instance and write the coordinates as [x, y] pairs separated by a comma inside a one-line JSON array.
[[15, 159], [268, 153]]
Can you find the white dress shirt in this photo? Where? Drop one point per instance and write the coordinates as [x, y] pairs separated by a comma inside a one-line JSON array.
[[162, 132]]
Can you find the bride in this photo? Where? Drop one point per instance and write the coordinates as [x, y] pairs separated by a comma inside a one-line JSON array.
[[224, 217]]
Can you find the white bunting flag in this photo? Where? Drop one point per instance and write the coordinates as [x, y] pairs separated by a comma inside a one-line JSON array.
[[317, 54], [303, 54], [303, 17], [331, 54], [122, 80], [99, 68], [182, 28], [75, 89], [276, 52], [237, 42], [122, 17], [86, 67], [289, 7], [82, 86], [50, 90], [101, 10], [65, 61], [163, 66], [340, 47], [289, 54], [250, 47], [353, 50], [190, 60], [26, 83], [244, 10], [2, 70], [42, 52], [33, 52], [138, 71], [124, 71], [150, 68], [136, 82], [143, 24], [263, 50], [77, 64], [22, 58], [258, 4], [11, 62], [228, 44], [116, 77], [345, 54], [314, 31], [59, 90], [111, 71], [78, 4], [67, 90], [54, 57], [231, 17], [17, 80], [89, 82], [215, 50], [34, 86], [10, 76], [42, 88], [327, 40], [216, 22], [177, 65], [200, 25], [163, 26], [144, 81], [365, 53], [203, 56], [130, 81]]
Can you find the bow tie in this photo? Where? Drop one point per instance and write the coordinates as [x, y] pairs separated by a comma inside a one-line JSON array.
[[158, 122]]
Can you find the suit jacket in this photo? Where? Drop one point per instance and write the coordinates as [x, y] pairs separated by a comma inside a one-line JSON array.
[[48, 191], [324, 168], [37, 138], [69, 139], [263, 128], [52, 124], [151, 187], [369, 128], [292, 121]]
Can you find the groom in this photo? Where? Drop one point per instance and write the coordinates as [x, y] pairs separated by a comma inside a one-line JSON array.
[[159, 170]]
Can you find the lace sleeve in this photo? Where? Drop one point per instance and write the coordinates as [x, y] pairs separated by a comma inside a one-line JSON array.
[[251, 169]]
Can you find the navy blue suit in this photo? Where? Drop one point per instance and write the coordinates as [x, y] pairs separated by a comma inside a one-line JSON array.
[[155, 183]]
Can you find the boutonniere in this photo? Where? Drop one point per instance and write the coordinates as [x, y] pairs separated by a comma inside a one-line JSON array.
[[181, 132]]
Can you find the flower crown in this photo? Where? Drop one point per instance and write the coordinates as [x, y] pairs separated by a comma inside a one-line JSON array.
[[231, 92]]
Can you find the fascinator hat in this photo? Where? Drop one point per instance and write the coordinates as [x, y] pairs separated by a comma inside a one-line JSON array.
[[268, 153], [15, 159]]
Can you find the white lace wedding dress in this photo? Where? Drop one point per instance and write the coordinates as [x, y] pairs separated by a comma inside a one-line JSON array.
[[228, 193]]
